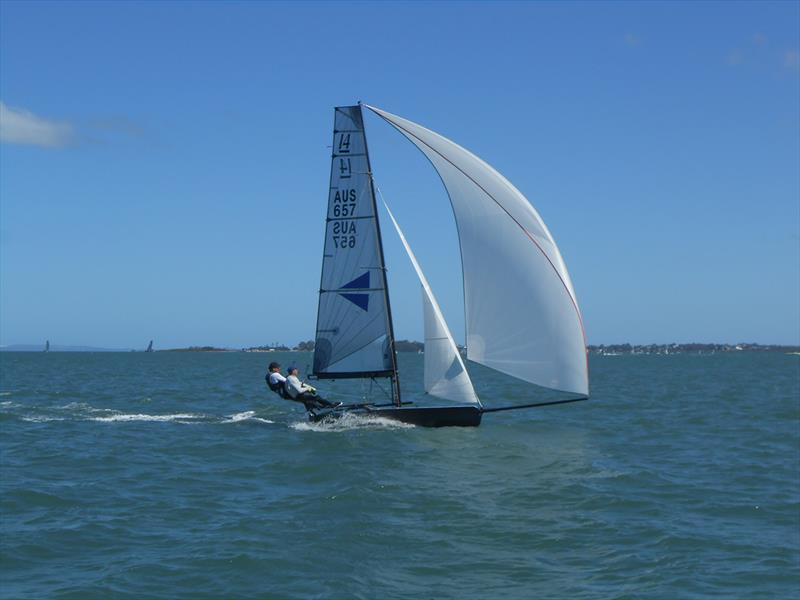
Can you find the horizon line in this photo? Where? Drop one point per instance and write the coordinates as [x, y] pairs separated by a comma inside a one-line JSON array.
[[291, 347]]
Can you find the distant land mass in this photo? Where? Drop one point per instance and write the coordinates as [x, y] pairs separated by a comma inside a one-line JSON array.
[[198, 349], [307, 346], [416, 347], [400, 346], [602, 349], [693, 348]]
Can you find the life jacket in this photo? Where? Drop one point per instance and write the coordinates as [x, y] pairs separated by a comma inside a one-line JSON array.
[[278, 388]]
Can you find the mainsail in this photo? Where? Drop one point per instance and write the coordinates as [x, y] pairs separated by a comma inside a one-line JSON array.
[[354, 330], [445, 374], [522, 315]]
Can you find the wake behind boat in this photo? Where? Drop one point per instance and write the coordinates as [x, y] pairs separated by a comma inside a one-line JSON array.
[[423, 416], [534, 333]]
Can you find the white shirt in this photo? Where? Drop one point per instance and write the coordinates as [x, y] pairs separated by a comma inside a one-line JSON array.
[[276, 378], [294, 387]]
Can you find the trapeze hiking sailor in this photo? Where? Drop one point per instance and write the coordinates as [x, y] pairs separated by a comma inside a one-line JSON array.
[[275, 380], [291, 388]]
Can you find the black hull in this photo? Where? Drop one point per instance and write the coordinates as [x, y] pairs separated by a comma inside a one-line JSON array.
[[427, 416], [433, 416]]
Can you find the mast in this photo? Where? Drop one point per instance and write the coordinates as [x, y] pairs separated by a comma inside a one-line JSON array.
[[395, 377]]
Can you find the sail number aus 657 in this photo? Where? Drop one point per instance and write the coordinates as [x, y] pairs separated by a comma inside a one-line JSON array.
[[344, 210], [344, 234], [344, 241], [344, 202]]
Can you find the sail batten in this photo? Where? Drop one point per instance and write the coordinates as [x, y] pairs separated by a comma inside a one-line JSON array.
[[522, 314]]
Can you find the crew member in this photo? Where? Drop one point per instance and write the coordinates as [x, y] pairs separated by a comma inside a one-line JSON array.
[[275, 380], [299, 390], [302, 392]]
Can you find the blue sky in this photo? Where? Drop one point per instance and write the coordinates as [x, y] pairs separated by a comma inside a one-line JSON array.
[[164, 166]]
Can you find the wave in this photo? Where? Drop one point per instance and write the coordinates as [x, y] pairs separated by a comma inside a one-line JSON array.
[[182, 418], [143, 417], [41, 418], [350, 421], [82, 406], [82, 411], [245, 416]]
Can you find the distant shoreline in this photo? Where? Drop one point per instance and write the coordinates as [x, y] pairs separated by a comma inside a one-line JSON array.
[[406, 346], [693, 348]]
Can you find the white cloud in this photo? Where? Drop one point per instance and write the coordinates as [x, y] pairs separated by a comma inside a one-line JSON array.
[[20, 126]]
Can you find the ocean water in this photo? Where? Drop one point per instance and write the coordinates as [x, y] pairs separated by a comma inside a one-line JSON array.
[[133, 475]]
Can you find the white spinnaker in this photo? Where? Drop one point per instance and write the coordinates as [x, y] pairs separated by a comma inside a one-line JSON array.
[[522, 315], [445, 374]]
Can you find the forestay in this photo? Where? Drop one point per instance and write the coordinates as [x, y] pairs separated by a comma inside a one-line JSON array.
[[522, 316], [354, 336], [445, 374]]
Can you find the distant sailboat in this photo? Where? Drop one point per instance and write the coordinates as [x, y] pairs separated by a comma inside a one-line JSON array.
[[534, 334], [47, 346], [150, 346]]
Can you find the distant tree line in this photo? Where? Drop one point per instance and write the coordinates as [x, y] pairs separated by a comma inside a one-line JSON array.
[[606, 349], [196, 349], [603, 349], [308, 346], [408, 346], [691, 348]]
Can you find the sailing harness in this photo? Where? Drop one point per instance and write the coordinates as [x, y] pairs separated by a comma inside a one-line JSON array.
[[278, 388]]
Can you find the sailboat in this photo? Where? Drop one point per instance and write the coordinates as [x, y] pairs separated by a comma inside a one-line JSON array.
[[47, 346], [149, 346], [522, 315]]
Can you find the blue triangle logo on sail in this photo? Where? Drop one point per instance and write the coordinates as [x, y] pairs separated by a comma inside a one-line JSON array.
[[360, 300], [362, 281]]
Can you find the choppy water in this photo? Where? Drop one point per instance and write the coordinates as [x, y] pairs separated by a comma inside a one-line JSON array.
[[180, 475]]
